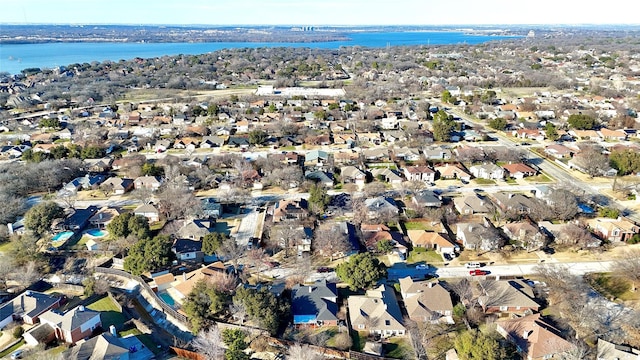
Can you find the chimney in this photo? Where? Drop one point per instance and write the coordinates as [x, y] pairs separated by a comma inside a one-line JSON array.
[[526, 333], [81, 308], [112, 330], [510, 195], [310, 289], [10, 228], [184, 276], [430, 285]]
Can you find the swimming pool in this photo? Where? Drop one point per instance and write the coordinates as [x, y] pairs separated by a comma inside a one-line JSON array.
[[167, 298], [62, 236], [96, 232]]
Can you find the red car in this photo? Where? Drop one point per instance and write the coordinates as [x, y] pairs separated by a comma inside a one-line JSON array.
[[478, 272]]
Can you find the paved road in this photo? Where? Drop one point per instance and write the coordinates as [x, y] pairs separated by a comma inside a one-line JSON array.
[[575, 268]]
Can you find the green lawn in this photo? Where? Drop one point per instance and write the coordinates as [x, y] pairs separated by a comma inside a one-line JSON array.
[[12, 349], [422, 255], [110, 314], [398, 348], [415, 225], [6, 246], [484, 181], [511, 181], [359, 339], [542, 178]]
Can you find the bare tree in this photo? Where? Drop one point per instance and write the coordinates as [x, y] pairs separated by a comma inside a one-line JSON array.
[[27, 274], [6, 269], [302, 352], [231, 250], [592, 161], [628, 266], [330, 239], [208, 343]]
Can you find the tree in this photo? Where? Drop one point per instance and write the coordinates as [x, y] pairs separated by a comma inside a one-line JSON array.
[[303, 352], [203, 303], [551, 132], [562, 205], [263, 308], [149, 254], [384, 246], [212, 109], [257, 137], [52, 123], [149, 169], [581, 121], [626, 161], [234, 339], [208, 343], [212, 242], [362, 271], [447, 97], [39, 218], [25, 249], [330, 240], [628, 266], [318, 199], [498, 123], [592, 161], [475, 345], [609, 212], [127, 224], [12, 207], [443, 125]]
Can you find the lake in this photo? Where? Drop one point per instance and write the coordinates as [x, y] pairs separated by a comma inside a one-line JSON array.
[[14, 58]]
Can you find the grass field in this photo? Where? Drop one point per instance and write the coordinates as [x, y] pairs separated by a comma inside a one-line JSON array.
[[398, 348], [146, 339], [12, 349], [110, 313], [421, 255]]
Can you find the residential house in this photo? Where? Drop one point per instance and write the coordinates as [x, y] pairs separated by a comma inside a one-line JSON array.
[[479, 236], [558, 151], [161, 145], [437, 153], [78, 219], [27, 307], [315, 305], [507, 297], [376, 155], [426, 301], [560, 235], [388, 175], [372, 234], [147, 182], [211, 208], [73, 325], [407, 154], [107, 346], [533, 134], [427, 198], [117, 185], [432, 240], [316, 158], [103, 217], [420, 173], [86, 182], [296, 237], [615, 135], [613, 230], [373, 138], [238, 142], [519, 170], [585, 134], [320, 177], [98, 165], [534, 337], [473, 204], [290, 209], [513, 203], [183, 284], [380, 205], [195, 229], [187, 249], [453, 171], [213, 141], [609, 351], [377, 312], [525, 234], [351, 174], [149, 211], [345, 139], [487, 171]]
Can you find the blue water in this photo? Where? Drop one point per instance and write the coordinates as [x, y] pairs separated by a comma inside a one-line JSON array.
[[167, 299], [14, 58], [62, 236], [96, 232]]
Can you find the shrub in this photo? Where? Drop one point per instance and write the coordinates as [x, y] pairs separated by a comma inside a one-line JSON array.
[[17, 332]]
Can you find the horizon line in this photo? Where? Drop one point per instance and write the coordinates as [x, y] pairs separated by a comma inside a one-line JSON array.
[[323, 25]]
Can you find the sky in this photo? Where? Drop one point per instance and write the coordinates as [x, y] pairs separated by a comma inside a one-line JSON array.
[[318, 12]]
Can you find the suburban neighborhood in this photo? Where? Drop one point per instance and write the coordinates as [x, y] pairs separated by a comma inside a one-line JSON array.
[[266, 218]]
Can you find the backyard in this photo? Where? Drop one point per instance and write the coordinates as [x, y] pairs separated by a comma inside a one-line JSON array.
[[110, 312]]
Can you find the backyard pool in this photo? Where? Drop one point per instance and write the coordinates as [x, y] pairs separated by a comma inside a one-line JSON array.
[[167, 299], [96, 232], [62, 236]]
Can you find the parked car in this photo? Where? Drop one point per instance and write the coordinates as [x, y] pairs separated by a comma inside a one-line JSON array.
[[422, 266], [473, 265], [447, 256], [16, 355], [478, 272], [324, 269]]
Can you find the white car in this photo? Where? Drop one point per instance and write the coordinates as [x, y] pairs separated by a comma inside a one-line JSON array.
[[473, 265], [422, 266]]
